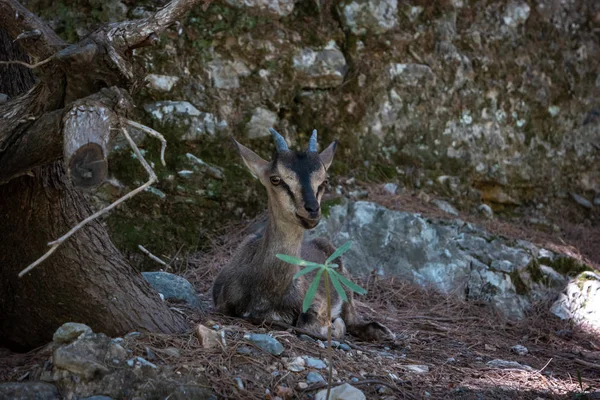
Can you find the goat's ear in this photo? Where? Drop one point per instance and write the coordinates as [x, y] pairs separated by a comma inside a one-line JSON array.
[[326, 155], [255, 164]]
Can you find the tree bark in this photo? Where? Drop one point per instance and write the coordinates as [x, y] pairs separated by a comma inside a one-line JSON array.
[[54, 139], [86, 280]]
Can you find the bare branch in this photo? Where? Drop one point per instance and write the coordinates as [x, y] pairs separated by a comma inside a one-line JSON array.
[[55, 244], [26, 65], [152, 256], [17, 20], [152, 133], [133, 34]]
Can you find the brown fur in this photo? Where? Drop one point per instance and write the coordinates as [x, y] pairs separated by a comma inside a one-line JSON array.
[[258, 286]]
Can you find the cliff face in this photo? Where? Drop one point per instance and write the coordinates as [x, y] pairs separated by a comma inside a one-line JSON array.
[[492, 100]]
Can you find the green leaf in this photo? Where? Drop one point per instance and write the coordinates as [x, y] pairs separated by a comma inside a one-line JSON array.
[[338, 287], [306, 270], [295, 260], [351, 285], [341, 250], [311, 292]]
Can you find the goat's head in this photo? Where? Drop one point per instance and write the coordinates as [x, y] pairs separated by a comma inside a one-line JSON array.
[[295, 181]]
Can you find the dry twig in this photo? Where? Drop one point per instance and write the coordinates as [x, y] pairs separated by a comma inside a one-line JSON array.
[[152, 179]]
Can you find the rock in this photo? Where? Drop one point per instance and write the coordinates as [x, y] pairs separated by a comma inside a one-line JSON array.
[[390, 188], [295, 365], [342, 392], [265, 342], [375, 16], [314, 377], [3, 98], [173, 287], [314, 363], [276, 7], [28, 391], [516, 13], [582, 201], [172, 352], [345, 347], [320, 68], [416, 369], [519, 349], [580, 301], [503, 364], [86, 357], [226, 74], [70, 331], [161, 83], [210, 170], [208, 338], [452, 256], [445, 207], [183, 117], [486, 210], [301, 385], [597, 201], [412, 74], [262, 119]]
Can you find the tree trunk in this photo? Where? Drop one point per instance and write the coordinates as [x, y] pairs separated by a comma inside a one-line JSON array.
[[86, 280], [47, 137]]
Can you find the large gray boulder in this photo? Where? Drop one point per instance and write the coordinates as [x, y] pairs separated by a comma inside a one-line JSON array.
[[451, 256], [580, 301]]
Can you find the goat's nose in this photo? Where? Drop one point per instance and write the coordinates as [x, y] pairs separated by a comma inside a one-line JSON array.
[[312, 208]]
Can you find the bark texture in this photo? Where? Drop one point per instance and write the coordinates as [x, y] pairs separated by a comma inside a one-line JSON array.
[[54, 138]]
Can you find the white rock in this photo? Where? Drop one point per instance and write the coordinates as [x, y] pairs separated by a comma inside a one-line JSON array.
[[375, 16], [519, 349], [580, 301], [262, 119], [320, 68], [516, 13], [486, 210], [295, 365], [416, 369], [342, 392], [391, 188], [161, 83], [276, 7], [445, 207], [503, 364]]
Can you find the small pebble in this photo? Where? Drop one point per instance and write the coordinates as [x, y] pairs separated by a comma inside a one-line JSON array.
[[306, 338], [519, 349], [345, 347], [314, 377], [314, 363], [239, 383], [302, 385]]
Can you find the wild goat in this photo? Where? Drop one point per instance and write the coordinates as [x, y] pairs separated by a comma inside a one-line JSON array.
[[258, 286]]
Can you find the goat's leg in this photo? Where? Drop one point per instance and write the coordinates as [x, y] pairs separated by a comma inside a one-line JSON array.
[[364, 330]]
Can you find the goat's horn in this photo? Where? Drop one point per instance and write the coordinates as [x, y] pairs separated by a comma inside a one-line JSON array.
[[280, 144], [312, 143]]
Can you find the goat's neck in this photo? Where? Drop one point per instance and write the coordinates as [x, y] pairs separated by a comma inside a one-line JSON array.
[[281, 237]]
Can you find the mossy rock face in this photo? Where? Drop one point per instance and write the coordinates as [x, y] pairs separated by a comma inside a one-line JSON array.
[[509, 111]]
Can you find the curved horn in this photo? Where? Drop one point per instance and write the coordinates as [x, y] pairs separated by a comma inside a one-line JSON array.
[[280, 144], [312, 143]]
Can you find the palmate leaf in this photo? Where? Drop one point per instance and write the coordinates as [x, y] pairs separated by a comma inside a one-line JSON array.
[[296, 260], [341, 250], [312, 291], [349, 284], [337, 285], [306, 270]]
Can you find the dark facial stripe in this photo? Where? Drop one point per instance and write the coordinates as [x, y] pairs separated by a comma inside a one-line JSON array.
[[288, 190]]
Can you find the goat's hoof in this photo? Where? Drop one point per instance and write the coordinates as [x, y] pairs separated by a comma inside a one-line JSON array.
[[373, 332], [338, 328]]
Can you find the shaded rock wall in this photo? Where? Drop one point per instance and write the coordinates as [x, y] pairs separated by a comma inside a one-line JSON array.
[[499, 97]]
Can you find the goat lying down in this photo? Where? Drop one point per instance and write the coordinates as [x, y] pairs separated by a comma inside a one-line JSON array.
[[258, 286]]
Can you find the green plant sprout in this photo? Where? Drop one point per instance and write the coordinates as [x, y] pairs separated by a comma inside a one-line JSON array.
[[327, 272]]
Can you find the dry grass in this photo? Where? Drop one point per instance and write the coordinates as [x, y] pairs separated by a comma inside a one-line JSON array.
[[453, 338]]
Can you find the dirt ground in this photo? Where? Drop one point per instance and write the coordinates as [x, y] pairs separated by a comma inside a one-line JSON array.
[[454, 339]]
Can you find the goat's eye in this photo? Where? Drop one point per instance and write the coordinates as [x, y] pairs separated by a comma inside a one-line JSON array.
[[275, 180]]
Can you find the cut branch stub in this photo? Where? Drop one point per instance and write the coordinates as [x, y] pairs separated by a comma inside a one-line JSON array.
[[87, 135]]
